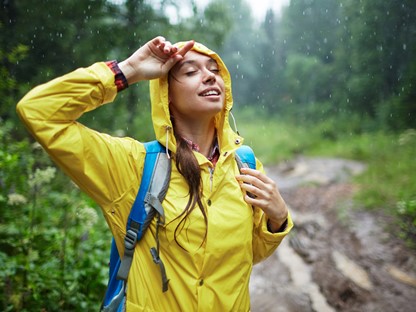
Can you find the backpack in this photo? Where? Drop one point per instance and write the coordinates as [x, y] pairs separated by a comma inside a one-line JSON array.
[[148, 203]]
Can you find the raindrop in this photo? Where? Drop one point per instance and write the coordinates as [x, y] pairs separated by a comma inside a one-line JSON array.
[[404, 46]]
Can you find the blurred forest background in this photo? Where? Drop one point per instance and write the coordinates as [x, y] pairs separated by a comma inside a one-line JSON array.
[[322, 77]]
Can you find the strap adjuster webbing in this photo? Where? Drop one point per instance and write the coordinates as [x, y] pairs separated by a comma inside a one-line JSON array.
[[130, 241]]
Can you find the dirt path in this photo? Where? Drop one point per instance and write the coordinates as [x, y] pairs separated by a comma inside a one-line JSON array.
[[339, 257]]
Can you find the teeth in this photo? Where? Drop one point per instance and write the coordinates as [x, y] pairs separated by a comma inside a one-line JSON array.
[[212, 92]]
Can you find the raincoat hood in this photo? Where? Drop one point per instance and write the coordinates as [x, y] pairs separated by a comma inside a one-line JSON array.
[[159, 88]]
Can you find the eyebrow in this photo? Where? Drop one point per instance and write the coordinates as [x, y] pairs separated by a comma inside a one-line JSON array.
[[211, 60]]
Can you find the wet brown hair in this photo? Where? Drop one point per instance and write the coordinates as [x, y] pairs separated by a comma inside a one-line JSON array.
[[188, 167]]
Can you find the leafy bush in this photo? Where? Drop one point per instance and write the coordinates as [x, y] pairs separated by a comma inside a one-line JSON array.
[[54, 243]]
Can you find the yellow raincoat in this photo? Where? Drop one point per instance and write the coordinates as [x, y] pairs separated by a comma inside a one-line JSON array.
[[207, 276]]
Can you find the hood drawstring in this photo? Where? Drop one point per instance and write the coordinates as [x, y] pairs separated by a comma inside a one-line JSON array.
[[168, 128], [235, 124]]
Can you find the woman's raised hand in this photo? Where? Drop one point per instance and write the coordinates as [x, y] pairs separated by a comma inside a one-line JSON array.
[[153, 60]]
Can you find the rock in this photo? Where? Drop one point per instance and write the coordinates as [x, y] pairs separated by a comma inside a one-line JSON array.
[[401, 276], [352, 270]]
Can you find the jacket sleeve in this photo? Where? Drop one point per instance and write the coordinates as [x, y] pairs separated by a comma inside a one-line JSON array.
[[265, 242], [101, 165]]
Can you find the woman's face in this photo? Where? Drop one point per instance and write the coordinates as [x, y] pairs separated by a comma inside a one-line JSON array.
[[196, 88]]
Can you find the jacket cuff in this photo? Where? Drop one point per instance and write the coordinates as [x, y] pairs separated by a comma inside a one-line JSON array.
[[119, 79], [103, 73], [269, 236]]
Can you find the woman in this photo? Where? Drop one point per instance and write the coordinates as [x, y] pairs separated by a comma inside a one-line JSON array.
[[214, 231]]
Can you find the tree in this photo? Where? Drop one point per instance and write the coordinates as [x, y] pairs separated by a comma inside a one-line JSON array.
[[375, 60]]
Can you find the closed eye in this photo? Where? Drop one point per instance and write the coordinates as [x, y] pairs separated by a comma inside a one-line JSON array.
[[190, 73]]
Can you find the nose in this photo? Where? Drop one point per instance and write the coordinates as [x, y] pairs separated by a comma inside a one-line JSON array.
[[209, 76]]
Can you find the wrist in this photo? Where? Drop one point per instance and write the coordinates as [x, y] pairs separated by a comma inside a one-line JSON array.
[[132, 73], [276, 227], [127, 70]]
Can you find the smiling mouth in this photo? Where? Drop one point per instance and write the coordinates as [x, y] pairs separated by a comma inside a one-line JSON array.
[[210, 93]]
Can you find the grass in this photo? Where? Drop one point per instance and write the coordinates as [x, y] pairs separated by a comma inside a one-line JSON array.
[[389, 183]]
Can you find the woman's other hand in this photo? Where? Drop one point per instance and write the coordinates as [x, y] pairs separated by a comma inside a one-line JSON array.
[[262, 192], [153, 60]]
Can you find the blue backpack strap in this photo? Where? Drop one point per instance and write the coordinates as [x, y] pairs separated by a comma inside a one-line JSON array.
[[139, 216], [245, 157], [153, 188], [115, 289]]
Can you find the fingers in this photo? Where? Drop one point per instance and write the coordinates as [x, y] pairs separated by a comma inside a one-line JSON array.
[[153, 60], [167, 48], [265, 195], [186, 48], [168, 53], [172, 53], [254, 182], [252, 176], [160, 46]]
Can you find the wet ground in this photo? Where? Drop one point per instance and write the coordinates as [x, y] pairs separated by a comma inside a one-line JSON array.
[[339, 257]]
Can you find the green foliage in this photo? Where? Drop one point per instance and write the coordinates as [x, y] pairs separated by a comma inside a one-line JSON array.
[[54, 244], [389, 181], [273, 138], [406, 209]]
